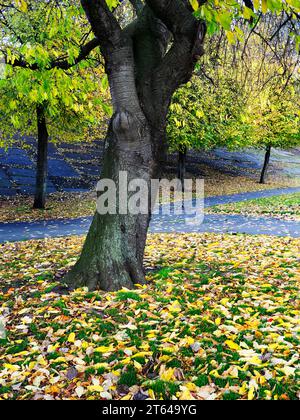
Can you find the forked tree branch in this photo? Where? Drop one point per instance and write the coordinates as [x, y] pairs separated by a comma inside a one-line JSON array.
[[104, 24], [173, 13]]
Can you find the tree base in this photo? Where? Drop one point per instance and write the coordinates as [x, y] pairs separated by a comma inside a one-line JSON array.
[[112, 279], [111, 258]]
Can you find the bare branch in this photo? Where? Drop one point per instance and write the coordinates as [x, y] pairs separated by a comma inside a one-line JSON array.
[[287, 20]]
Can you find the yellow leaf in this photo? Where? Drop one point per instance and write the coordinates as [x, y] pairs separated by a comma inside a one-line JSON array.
[[231, 37], [142, 354], [12, 368], [138, 366], [191, 386], [127, 397], [174, 307], [167, 375], [194, 4], [22, 4], [151, 394], [251, 393], [71, 338], [256, 360], [243, 389], [104, 349], [232, 345], [42, 361], [218, 321], [186, 395], [248, 13], [190, 341], [256, 4], [224, 301], [95, 388]]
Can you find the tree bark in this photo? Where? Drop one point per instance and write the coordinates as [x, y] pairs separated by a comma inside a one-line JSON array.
[[112, 256], [42, 160], [266, 165], [143, 74], [182, 167]]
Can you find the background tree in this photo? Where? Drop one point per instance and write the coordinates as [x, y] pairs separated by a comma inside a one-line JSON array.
[[271, 62], [242, 94], [275, 122], [208, 112], [49, 87]]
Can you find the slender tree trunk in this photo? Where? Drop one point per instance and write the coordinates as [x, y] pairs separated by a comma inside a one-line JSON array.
[[266, 165], [182, 167], [42, 160]]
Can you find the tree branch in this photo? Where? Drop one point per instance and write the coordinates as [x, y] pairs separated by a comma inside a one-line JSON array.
[[104, 24], [60, 63], [137, 5], [174, 14], [178, 64], [249, 4], [287, 20]]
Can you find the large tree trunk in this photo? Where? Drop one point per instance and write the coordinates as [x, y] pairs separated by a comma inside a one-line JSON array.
[[266, 165], [42, 160], [112, 256], [143, 74]]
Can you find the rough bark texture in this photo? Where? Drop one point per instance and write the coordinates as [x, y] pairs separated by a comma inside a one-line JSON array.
[[145, 62], [42, 161], [266, 165]]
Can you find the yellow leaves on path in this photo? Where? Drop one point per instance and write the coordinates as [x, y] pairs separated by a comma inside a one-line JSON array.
[[218, 320]]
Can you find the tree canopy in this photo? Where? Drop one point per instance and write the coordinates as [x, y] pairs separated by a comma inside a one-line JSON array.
[[243, 94], [44, 51]]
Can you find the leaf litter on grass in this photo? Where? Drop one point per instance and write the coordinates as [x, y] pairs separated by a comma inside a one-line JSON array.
[[218, 320]]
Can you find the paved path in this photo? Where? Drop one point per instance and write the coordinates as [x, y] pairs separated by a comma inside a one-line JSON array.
[[14, 232], [235, 198], [10, 232]]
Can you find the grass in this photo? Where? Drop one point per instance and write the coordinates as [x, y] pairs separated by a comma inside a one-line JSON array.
[[285, 206], [218, 320]]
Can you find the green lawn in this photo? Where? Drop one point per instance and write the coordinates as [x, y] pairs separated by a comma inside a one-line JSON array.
[[285, 206]]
